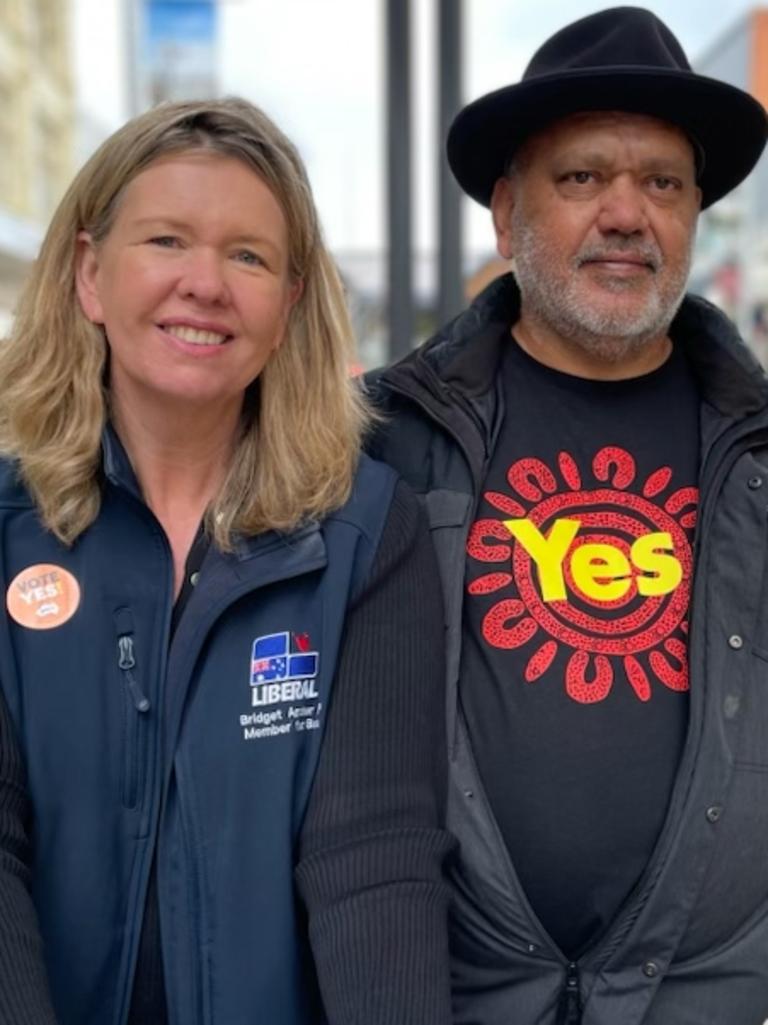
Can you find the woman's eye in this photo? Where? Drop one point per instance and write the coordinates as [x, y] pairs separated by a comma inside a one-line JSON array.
[[249, 257], [165, 241]]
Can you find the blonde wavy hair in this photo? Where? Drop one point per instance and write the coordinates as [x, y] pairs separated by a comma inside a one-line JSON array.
[[303, 423]]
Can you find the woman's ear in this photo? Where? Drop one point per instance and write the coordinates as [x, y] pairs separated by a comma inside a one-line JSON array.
[[295, 292], [86, 278]]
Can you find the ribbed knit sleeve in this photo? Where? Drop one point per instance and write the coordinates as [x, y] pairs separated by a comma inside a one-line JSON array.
[[372, 846], [24, 998]]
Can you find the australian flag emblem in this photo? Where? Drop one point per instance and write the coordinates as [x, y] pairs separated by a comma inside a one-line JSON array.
[[272, 660]]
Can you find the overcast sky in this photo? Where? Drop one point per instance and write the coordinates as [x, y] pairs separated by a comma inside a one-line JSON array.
[[317, 67]]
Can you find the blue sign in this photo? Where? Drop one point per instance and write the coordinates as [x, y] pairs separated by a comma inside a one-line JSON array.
[[180, 21], [178, 52]]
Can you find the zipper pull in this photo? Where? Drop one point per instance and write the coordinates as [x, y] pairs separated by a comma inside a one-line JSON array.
[[126, 660], [570, 1004]]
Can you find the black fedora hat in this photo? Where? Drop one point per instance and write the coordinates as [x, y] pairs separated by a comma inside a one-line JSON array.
[[624, 59]]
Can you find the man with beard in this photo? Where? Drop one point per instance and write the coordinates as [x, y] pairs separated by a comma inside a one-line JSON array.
[[592, 449]]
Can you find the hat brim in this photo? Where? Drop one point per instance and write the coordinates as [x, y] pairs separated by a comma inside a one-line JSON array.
[[729, 124]]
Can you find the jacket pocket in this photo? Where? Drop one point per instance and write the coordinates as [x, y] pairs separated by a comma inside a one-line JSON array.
[[726, 986], [136, 708], [735, 886]]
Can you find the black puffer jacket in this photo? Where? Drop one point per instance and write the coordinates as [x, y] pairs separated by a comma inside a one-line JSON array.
[[691, 945]]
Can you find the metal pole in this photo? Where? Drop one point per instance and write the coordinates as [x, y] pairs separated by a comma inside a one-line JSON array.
[[401, 318], [132, 20], [450, 278]]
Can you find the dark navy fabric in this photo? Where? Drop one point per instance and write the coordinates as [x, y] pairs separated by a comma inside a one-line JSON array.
[[133, 743]]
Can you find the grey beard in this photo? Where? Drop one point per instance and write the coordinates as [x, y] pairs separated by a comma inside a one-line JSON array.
[[609, 335]]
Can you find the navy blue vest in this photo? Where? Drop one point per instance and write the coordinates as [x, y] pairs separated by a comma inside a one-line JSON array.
[[204, 749]]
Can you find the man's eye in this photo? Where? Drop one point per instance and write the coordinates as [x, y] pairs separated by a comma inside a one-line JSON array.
[[665, 184], [165, 241], [579, 177]]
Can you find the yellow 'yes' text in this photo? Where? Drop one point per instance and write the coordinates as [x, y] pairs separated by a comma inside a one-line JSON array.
[[600, 571]]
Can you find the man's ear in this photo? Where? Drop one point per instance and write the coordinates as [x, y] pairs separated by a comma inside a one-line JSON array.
[[502, 204], [86, 278]]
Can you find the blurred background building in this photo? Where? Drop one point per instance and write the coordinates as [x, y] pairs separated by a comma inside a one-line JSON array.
[[37, 128], [365, 88], [731, 265]]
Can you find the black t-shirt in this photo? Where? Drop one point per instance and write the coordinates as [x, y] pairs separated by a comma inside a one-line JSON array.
[[574, 674]]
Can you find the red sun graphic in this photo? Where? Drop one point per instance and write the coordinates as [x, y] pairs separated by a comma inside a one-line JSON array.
[[642, 632]]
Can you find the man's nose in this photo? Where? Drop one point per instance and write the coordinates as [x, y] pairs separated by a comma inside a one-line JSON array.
[[623, 207], [203, 277]]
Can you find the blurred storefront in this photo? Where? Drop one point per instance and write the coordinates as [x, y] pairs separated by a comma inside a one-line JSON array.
[[731, 266], [36, 131]]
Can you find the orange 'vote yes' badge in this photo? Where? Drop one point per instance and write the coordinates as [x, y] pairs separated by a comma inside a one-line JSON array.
[[43, 596]]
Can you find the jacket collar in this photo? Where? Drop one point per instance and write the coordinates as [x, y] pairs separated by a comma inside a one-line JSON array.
[[465, 354], [116, 465]]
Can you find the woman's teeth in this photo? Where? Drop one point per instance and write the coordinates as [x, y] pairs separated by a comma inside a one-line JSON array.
[[195, 336]]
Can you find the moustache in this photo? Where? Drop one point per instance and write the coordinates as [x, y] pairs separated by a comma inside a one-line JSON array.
[[643, 252]]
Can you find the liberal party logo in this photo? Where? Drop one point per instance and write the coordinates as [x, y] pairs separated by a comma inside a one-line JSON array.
[[279, 674]]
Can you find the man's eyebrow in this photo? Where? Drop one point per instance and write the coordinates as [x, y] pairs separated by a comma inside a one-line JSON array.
[[597, 158], [581, 156]]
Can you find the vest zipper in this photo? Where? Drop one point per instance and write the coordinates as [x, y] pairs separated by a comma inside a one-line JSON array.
[[570, 1001], [136, 706], [127, 661]]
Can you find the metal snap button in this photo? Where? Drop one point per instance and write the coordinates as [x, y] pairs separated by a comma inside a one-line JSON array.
[[754, 483], [714, 813], [736, 641], [650, 969]]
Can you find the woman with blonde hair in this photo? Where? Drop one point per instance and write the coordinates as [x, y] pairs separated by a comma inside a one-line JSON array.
[[221, 662]]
